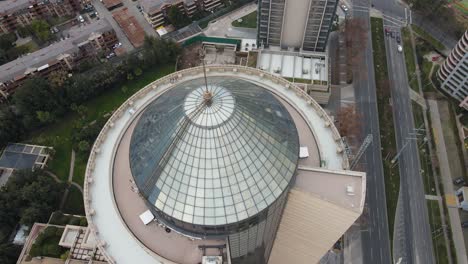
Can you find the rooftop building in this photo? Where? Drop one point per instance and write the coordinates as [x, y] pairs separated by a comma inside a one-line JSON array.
[[244, 167]]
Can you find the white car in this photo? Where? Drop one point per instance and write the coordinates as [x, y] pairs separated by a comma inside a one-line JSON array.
[[80, 19], [345, 8], [400, 48]]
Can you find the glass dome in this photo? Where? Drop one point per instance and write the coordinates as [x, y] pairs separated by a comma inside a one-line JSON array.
[[216, 155]]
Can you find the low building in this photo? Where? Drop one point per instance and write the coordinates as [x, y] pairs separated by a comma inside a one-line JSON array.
[[308, 70], [83, 42], [112, 4], [22, 12], [17, 156], [453, 74], [130, 26]]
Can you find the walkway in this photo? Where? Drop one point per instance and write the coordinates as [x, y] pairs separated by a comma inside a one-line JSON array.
[[446, 177], [221, 27], [69, 180]]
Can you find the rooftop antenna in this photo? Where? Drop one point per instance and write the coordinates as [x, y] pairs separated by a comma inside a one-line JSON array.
[[207, 95]]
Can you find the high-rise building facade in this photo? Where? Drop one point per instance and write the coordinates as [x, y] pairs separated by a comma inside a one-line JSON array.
[[299, 24], [454, 72]]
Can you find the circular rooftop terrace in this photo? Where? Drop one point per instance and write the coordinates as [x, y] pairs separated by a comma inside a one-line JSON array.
[[111, 203]]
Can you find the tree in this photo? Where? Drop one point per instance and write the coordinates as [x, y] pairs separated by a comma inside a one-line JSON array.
[[41, 30], [57, 79], [9, 253], [177, 18], [37, 95], [83, 146], [10, 128], [45, 117]]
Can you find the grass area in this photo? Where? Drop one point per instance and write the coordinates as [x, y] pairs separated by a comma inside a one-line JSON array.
[[247, 21], [440, 249], [298, 80], [252, 59], [46, 244], [387, 129], [30, 46], [74, 203], [59, 218], [58, 135], [424, 154], [426, 36], [409, 59]]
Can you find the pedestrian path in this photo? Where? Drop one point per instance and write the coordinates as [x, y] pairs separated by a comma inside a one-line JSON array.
[[454, 215], [432, 197]]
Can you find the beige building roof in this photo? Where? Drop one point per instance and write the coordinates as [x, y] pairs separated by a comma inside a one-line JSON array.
[[317, 215]]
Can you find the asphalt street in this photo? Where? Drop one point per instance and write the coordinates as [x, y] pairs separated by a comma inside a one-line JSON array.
[[375, 235], [415, 232]]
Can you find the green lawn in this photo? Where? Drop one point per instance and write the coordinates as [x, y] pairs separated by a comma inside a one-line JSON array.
[[424, 154], [74, 203], [30, 46], [58, 135], [438, 241], [46, 244], [387, 129], [426, 36], [409, 59], [248, 21]]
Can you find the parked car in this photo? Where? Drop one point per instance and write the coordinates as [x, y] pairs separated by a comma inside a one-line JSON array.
[[465, 224], [400, 48], [80, 19], [398, 39], [459, 181], [345, 8]]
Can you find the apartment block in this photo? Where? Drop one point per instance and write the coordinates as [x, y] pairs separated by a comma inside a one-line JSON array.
[[454, 72], [17, 13], [84, 42], [155, 12], [303, 25]]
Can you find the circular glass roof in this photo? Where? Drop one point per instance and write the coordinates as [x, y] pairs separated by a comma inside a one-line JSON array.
[[214, 155]]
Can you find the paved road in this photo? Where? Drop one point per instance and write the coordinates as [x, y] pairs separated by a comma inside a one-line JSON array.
[[375, 236], [416, 233]]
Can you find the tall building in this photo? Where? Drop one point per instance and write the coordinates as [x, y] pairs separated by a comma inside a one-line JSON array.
[[454, 72], [299, 24], [238, 166]]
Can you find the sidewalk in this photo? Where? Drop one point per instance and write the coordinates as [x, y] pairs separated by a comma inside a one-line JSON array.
[[446, 177]]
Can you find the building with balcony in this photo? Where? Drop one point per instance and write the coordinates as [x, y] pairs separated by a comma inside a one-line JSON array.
[[228, 165], [453, 74], [155, 11], [22, 12], [84, 42], [301, 24]]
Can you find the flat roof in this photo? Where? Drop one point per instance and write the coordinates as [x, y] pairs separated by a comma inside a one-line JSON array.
[[130, 26], [49, 54], [307, 65], [23, 156], [120, 227], [109, 4]]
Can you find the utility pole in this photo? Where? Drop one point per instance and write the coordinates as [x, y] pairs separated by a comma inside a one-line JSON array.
[[362, 149]]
